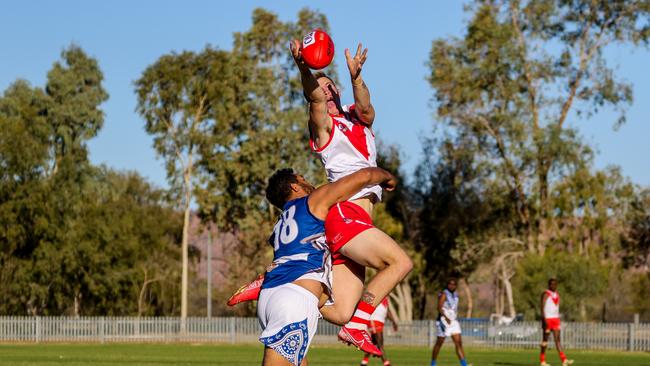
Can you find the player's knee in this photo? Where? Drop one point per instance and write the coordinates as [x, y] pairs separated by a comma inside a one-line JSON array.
[[405, 265], [337, 316], [343, 316], [346, 316]]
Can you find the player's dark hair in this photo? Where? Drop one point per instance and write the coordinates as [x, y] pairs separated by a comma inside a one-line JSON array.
[[317, 75], [278, 189], [551, 280], [320, 74]]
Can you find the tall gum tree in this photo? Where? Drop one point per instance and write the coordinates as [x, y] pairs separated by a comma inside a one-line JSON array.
[[508, 92], [174, 98]]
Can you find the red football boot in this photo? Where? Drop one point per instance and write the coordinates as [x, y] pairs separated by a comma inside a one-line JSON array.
[[248, 292], [360, 339]]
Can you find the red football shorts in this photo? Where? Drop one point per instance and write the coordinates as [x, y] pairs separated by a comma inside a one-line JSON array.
[[553, 324], [344, 221]]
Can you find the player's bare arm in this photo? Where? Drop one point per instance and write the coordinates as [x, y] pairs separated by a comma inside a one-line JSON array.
[[441, 302], [319, 120], [328, 195], [363, 108]]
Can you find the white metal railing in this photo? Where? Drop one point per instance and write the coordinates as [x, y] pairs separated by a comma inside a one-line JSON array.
[[615, 336]]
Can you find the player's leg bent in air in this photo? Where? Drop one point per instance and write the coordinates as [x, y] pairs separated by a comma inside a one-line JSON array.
[[288, 306], [343, 137]]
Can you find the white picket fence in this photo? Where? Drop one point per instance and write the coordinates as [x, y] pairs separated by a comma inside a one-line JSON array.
[[596, 336]]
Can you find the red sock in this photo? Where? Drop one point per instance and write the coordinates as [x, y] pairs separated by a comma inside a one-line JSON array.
[[562, 356], [361, 317], [365, 360], [542, 357]]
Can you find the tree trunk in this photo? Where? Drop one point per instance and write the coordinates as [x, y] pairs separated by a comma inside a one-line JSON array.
[[468, 295], [583, 311], [402, 297], [508, 292], [143, 290], [423, 296], [187, 180], [77, 303], [498, 303]]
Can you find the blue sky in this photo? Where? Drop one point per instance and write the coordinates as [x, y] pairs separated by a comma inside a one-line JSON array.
[[127, 36]]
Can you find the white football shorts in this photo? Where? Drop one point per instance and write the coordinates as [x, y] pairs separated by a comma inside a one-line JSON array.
[[445, 329], [288, 315]]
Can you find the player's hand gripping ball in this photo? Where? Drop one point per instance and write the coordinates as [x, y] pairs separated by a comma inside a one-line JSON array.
[[317, 49]]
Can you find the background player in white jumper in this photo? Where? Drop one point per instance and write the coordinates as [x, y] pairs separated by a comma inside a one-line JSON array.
[[295, 282], [377, 321], [447, 324], [343, 137], [550, 307]]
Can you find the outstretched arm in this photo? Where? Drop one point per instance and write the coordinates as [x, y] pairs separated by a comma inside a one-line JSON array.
[[330, 194], [319, 120], [362, 106]]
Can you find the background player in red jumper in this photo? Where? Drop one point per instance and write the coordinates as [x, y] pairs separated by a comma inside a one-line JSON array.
[[550, 307]]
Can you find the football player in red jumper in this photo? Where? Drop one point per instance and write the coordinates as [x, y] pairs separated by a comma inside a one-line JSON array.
[[342, 135], [550, 307]]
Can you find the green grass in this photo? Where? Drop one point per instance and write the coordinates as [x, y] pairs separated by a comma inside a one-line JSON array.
[[180, 354]]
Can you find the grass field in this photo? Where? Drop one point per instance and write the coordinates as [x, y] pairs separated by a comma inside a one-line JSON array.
[[178, 354]]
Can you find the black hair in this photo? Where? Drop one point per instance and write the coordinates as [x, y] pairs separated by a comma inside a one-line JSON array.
[[320, 74], [278, 189], [317, 75], [551, 280]]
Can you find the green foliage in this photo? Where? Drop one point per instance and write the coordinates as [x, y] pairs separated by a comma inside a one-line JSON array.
[[505, 173], [641, 295], [637, 241], [580, 281], [75, 239], [74, 93], [504, 93]]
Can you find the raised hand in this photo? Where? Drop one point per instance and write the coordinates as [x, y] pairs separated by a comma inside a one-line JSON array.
[[294, 45], [390, 184], [356, 63]]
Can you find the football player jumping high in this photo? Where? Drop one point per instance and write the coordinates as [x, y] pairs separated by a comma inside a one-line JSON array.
[[342, 135]]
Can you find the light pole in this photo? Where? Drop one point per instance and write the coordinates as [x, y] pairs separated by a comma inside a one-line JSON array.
[[209, 272]]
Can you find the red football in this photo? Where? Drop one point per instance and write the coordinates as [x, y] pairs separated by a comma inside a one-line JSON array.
[[317, 49]]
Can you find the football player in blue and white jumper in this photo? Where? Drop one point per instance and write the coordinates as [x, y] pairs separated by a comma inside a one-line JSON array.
[[447, 324], [298, 282]]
